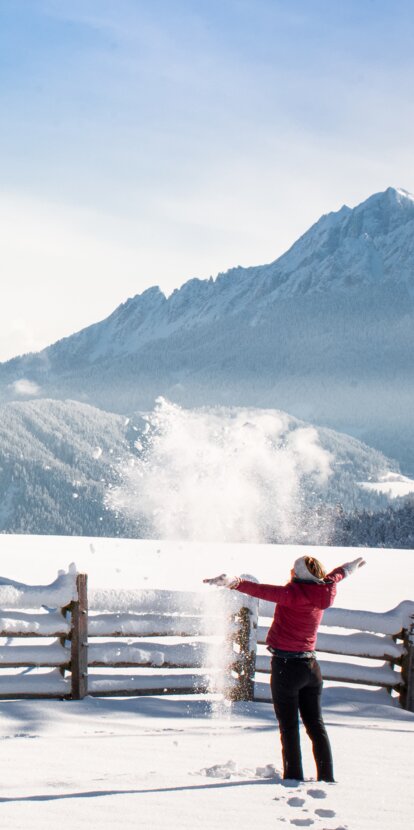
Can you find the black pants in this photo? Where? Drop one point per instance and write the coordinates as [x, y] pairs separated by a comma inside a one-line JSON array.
[[296, 688]]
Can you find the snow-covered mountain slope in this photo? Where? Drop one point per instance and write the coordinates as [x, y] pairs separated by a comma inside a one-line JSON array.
[[325, 332], [59, 460]]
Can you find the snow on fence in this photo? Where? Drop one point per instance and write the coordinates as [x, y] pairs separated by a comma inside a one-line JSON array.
[[140, 642], [46, 616], [181, 642], [384, 638]]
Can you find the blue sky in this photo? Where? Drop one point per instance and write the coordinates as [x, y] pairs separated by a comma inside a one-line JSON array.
[[149, 141]]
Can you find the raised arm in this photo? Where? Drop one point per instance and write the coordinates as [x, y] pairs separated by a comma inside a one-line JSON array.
[[272, 593], [346, 570]]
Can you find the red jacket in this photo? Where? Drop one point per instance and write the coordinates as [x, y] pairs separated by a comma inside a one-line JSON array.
[[299, 609]]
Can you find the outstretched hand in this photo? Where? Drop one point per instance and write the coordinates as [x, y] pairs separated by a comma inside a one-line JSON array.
[[357, 563], [351, 567], [223, 581]]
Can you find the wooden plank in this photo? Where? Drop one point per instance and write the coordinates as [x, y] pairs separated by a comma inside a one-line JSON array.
[[144, 654], [244, 665], [114, 664], [58, 633], [391, 622], [374, 646], [151, 625], [407, 691], [22, 624], [37, 664], [344, 678], [53, 655], [156, 632], [232, 667], [34, 696], [146, 692], [156, 681], [347, 672], [79, 640], [145, 625]]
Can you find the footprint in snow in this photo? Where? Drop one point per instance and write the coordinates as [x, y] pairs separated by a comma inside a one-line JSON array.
[[302, 822], [296, 802], [317, 793], [325, 813]]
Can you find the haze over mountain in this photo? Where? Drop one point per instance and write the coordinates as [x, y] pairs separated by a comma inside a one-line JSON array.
[[326, 333]]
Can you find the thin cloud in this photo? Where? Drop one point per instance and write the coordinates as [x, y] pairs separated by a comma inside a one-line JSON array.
[[25, 388]]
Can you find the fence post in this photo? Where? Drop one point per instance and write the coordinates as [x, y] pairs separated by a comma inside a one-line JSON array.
[[79, 640], [245, 664], [407, 669]]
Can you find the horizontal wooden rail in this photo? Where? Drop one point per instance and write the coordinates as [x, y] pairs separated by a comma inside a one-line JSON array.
[[151, 625], [25, 656], [34, 695], [373, 646], [383, 676], [390, 622], [181, 656], [21, 624], [347, 672], [160, 684], [48, 685], [361, 645]]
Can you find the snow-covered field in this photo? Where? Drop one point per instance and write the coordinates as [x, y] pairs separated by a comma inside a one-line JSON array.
[[393, 484], [170, 763], [197, 762]]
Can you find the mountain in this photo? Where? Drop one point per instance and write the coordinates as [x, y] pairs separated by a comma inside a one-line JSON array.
[[326, 332], [59, 461]]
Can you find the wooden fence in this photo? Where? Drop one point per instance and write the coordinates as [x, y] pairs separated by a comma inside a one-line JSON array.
[[372, 638], [58, 641], [180, 645], [179, 642]]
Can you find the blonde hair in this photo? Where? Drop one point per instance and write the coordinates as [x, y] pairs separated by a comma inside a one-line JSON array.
[[315, 567]]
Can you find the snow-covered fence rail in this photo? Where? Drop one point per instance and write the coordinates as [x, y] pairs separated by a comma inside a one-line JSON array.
[[166, 642], [169, 641], [176, 642], [386, 638], [51, 620]]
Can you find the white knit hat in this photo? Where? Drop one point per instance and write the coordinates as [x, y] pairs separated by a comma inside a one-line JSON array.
[[301, 570]]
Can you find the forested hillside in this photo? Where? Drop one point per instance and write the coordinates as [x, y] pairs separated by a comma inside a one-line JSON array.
[[60, 461]]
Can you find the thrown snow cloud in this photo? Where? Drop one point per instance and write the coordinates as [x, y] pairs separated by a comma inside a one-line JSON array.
[[220, 474], [25, 387]]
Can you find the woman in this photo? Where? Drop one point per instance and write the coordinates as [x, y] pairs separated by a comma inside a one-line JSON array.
[[296, 680]]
